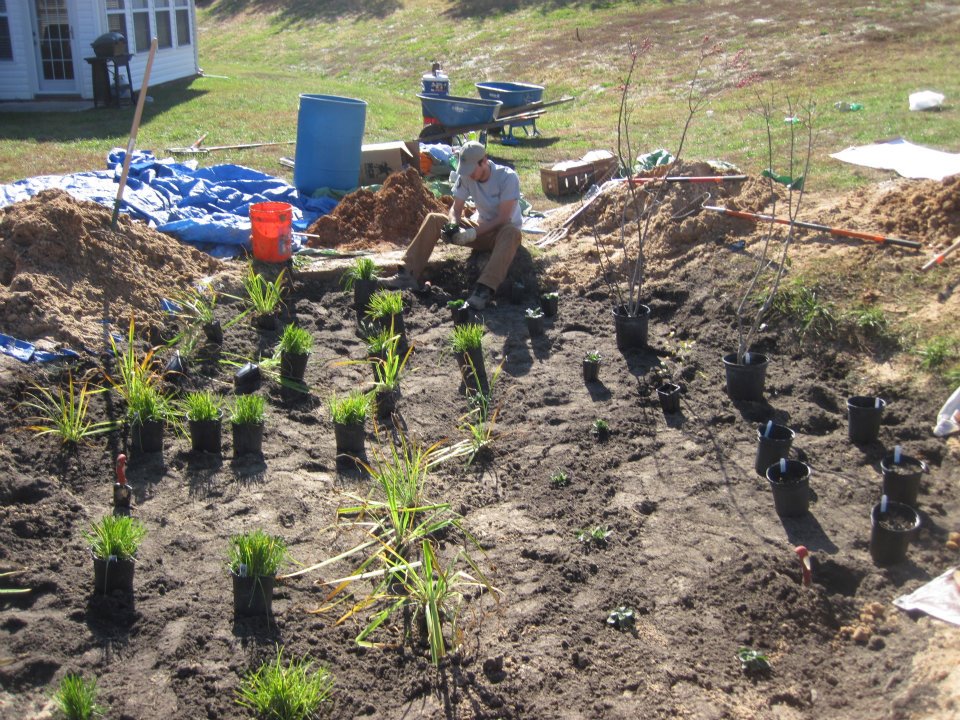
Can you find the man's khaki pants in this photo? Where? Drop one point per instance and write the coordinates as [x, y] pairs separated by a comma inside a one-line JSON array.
[[502, 244]]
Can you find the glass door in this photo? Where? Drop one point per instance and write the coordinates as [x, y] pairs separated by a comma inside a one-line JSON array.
[[54, 47]]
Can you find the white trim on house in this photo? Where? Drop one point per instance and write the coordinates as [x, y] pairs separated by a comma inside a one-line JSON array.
[[21, 77]]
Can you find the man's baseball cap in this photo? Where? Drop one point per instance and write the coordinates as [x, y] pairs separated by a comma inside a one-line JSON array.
[[470, 156]]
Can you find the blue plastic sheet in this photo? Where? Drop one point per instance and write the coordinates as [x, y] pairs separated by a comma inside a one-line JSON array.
[[27, 352], [206, 207]]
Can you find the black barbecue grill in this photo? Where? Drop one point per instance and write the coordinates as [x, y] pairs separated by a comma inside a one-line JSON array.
[[111, 54]]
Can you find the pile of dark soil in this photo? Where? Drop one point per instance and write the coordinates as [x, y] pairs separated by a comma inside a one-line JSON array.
[[384, 219]]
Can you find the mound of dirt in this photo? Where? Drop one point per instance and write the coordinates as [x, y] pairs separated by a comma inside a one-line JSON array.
[[384, 219], [63, 271], [928, 210]]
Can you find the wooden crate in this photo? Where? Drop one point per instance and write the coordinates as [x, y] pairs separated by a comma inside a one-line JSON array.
[[566, 178]]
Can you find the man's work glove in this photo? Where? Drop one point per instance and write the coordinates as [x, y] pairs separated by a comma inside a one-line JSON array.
[[462, 236]]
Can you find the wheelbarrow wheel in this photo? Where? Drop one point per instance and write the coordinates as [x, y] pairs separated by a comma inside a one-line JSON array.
[[435, 134]]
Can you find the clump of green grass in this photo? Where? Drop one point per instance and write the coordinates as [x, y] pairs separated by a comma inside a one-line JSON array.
[[384, 304], [203, 405], [468, 336], [263, 296], [260, 554], [295, 340], [801, 301], [63, 413], [936, 352], [286, 691], [350, 408], [559, 479], [247, 410], [76, 698], [363, 268], [117, 536]]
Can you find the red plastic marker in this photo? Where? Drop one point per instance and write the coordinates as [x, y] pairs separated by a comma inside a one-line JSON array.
[[804, 556]]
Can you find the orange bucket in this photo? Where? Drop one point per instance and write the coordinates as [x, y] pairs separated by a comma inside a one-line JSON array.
[[271, 227]]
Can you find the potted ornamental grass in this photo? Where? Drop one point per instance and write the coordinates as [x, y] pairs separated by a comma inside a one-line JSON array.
[[204, 413], [387, 372], [264, 298], [591, 366], [255, 560], [114, 541], [361, 277], [466, 344], [349, 414], [294, 349], [247, 422]]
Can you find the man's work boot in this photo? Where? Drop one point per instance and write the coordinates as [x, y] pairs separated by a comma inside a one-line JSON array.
[[402, 280], [481, 296]]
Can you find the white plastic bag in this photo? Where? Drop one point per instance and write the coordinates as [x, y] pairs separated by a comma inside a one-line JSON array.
[[948, 420], [926, 100]]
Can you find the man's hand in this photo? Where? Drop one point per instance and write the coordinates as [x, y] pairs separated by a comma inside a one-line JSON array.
[[462, 236]]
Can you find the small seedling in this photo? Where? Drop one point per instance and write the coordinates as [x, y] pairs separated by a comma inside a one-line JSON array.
[[622, 618], [598, 536], [76, 698], [534, 313], [286, 691], [456, 304], [752, 660], [593, 357], [559, 479], [600, 428], [551, 296]]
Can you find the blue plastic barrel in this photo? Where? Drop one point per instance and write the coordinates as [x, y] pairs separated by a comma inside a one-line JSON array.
[[329, 140]]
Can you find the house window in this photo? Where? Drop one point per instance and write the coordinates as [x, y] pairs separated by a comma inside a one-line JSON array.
[[141, 25], [6, 47], [162, 18], [183, 22], [168, 20], [117, 17]]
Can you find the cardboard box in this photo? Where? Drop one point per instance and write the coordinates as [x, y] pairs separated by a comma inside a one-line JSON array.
[[567, 178], [379, 160]]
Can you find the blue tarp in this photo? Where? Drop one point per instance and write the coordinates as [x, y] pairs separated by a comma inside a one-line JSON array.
[[205, 207]]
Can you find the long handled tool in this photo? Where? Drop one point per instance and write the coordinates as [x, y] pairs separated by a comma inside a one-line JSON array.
[[689, 179], [882, 239], [200, 150], [141, 98], [939, 257]]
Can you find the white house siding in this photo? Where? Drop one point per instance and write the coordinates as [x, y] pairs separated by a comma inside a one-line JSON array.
[[15, 80], [19, 80]]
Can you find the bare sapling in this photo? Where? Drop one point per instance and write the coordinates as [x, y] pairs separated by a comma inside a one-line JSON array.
[[798, 150], [641, 201]]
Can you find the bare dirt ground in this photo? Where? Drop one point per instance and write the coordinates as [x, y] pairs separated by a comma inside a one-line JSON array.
[[696, 548]]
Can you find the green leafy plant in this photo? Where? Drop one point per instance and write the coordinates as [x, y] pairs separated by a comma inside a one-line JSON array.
[[286, 691], [598, 536], [622, 618], [379, 340], [247, 410], [196, 305], [203, 405], [116, 536], [936, 352], [76, 698], [63, 412], [257, 554], [752, 660], [384, 304], [295, 340], [593, 356], [559, 479], [363, 268], [354, 407], [534, 313], [551, 296], [600, 428], [148, 402], [388, 369], [263, 296], [480, 422], [456, 304], [468, 336], [131, 376], [800, 301]]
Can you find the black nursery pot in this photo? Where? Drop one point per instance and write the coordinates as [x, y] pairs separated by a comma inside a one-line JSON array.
[[669, 397], [253, 595], [746, 381], [591, 371], [147, 436], [293, 366], [863, 416], [110, 575], [901, 482], [460, 315], [362, 290], [549, 305], [350, 438], [214, 332], [247, 379], [473, 370], [205, 435], [267, 321], [535, 326], [247, 438], [771, 446], [631, 330], [790, 487], [176, 368], [891, 531]]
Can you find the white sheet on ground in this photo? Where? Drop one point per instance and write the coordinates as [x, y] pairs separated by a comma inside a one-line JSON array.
[[939, 598], [903, 157]]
